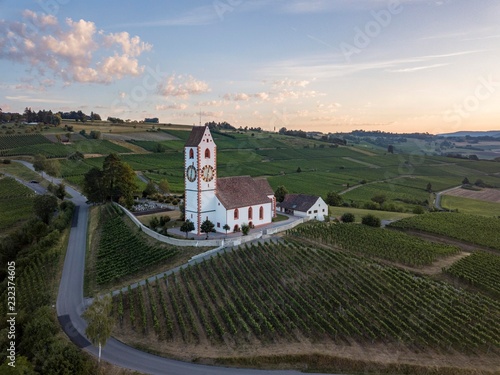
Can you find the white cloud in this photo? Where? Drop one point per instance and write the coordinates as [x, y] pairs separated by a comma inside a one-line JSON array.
[[166, 107], [183, 86], [72, 50]]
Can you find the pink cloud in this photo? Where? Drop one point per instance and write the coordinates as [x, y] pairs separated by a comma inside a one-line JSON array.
[[72, 50], [183, 87]]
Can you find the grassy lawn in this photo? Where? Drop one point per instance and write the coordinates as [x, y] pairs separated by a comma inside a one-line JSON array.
[[470, 206], [359, 213], [19, 170]]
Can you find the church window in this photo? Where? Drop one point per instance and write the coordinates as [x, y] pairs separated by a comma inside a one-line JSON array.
[[207, 153], [236, 214], [250, 212], [261, 213], [191, 154]]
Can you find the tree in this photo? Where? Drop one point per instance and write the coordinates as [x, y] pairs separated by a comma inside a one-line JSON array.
[[348, 218], [44, 207], [100, 323], [119, 180], [429, 187], [226, 227], [39, 162], [280, 193], [379, 198], [299, 170], [60, 191], [164, 186], [333, 199], [465, 181], [390, 149], [187, 226], [150, 189], [52, 167], [480, 183], [93, 186], [154, 223], [207, 226], [371, 221]]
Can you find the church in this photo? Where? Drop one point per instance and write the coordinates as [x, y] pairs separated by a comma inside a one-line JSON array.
[[231, 201]]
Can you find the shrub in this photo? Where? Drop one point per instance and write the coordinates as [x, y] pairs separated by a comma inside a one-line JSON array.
[[371, 221], [348, 218]]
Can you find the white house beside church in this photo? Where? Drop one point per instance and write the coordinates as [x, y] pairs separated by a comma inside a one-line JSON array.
[[302, 205], [231, 200]]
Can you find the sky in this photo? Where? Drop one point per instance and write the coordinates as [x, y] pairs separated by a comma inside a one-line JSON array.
[[316, 65]]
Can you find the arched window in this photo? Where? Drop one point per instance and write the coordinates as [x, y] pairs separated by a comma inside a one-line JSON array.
[[207, 153], [250, 212], [191, 154], [236, 214], [261, 213]]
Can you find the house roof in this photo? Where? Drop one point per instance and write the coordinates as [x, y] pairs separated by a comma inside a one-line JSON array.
[[242, 191], [298, 202], [196, 136]]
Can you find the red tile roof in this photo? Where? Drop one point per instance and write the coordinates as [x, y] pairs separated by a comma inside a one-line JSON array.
[[264, 185], [196, 136], [242, 191]]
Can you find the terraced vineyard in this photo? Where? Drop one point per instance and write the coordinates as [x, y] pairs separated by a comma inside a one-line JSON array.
[[16, 202], [376, 242], [480, 269], [276, 293], [122, 252], [14, 141], [478, 230]]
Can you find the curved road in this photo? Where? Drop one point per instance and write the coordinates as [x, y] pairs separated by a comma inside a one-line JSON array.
[[71, 304]]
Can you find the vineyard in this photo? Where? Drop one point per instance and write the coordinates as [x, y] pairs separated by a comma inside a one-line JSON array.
[[376, 242], [16, 202], [274, 293], [122, 252], [478, 230], [14, 141], [480, 269]]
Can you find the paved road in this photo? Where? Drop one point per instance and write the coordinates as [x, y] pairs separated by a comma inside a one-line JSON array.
[[437, 201], [71, 304]]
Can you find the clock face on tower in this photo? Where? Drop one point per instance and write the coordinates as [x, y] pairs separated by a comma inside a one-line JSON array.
[[191, 173], [207, 173]]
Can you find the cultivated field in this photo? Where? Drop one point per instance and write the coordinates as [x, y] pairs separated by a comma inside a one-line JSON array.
[[488, 195]]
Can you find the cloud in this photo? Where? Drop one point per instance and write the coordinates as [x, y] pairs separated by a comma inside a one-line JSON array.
[[290, 83], [182, 86], [417, 68], [166, 107], [74, 51], [25, 98]]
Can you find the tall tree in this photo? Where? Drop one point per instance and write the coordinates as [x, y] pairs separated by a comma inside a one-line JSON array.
[[60, 191], [93, 186], [390, 149], [150, 189], [333, 199], [429, 187], [119, 179], [280, 193], [100, 323], [207, 226], [187, 227], [39, 162], [164, 186], [44, 207], [53, 167], [226, 227]]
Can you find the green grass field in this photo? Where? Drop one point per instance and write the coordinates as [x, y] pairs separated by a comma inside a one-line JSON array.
[[470, 206], [359, 213]]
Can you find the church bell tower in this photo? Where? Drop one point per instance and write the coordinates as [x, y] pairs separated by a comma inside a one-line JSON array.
[[200, 177]]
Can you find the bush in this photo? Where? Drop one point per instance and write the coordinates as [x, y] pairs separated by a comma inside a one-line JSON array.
[[371, 221], [418, 210], [348, 218]]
